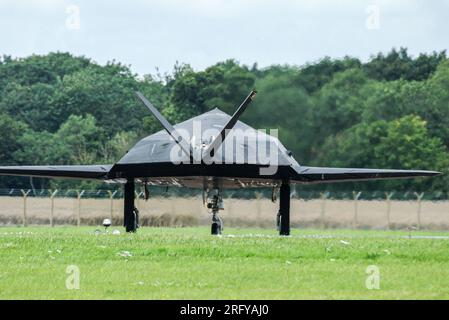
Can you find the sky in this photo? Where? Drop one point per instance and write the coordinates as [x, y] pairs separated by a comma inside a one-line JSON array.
[[152, 35]]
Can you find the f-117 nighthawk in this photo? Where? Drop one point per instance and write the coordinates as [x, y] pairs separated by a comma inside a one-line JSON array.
[[212, 151]]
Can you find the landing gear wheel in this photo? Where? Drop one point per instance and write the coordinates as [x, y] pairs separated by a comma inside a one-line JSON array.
[[215, 229], [217, 226]]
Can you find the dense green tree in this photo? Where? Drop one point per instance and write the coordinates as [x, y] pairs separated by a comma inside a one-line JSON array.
[[429, 99], [407, 144], [24, 72], [109, 97], [41, 148], [82, 138], [391, 111], [337, 106], [398, 64], [436, 107], [313, 76], [403, 143], [59, 63], [223, 85], [285, 108], [78, 141], [10, 132], [31, 104]]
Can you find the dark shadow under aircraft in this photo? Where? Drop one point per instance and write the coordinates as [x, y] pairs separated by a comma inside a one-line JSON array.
[[212, 151]]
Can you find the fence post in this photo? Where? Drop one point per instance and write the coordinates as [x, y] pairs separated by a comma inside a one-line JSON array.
[[388, 197], [52, 208], [259, 207], [25, 195], [356, 200], [323, 197], [78, 218], [111, 206], [419, 197]]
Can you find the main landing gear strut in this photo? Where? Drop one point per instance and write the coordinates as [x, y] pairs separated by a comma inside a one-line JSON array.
[[131, 214], [283, 217]]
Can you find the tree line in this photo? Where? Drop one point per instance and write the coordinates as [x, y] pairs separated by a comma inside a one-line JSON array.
[[391, 111]]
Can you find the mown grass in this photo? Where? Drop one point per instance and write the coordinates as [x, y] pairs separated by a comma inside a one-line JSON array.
[[188, 263]]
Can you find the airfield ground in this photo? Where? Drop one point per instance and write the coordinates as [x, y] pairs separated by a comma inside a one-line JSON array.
[[187, 263]]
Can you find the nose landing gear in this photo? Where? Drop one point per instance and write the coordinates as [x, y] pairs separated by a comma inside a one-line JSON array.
[[215, 205]]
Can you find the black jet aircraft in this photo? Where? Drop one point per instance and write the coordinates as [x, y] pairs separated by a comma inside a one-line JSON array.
[[212, 151]]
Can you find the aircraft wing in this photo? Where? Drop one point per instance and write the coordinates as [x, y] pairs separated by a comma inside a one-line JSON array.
[[322, 175], [75, 172]]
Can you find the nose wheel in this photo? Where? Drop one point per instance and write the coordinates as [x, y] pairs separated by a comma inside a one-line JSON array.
[[217, 226]]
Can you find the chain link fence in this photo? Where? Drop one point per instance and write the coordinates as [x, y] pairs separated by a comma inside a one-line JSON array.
[[243, 208]]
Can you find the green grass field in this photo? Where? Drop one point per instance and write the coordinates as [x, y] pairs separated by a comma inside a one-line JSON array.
[[187, 263]]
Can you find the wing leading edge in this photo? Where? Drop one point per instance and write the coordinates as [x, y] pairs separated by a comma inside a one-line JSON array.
[[322, 175], [98, 172], [301, 174]]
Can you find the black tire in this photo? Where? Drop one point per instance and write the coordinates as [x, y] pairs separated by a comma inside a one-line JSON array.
[[215, 229], [131, 226], [284, 230]]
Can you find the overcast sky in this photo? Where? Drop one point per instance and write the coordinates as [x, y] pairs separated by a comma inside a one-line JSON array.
[[150, 34]]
